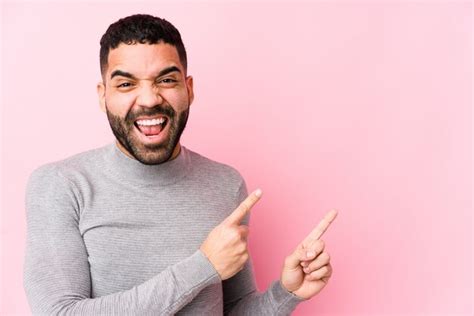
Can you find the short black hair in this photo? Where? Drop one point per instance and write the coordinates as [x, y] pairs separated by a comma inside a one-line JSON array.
[[140, 28]]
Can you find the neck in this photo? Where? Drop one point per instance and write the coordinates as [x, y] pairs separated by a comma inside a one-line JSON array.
[[126, 167]]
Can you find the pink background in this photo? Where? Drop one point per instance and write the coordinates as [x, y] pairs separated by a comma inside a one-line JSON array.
[[360, 106]]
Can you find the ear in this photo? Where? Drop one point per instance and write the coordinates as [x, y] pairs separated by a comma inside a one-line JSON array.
[[189, 87], [101, 95]]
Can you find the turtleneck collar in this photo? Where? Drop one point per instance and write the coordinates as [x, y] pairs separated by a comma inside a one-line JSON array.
[[130, 169]]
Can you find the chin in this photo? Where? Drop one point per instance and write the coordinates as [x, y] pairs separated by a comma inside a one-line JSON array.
[[155, 157]]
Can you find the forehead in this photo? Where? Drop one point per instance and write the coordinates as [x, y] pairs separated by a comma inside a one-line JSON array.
[[143, 59]]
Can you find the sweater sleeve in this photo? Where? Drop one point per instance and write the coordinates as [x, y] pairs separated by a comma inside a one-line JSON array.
[[241, 296], [56, 269]]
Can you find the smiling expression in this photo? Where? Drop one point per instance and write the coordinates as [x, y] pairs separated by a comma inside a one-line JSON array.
[[146, 95]]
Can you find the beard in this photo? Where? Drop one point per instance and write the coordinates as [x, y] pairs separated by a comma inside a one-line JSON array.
[[148, 154]]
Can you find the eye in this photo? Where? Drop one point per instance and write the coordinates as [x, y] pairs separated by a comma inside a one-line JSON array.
[[124, 85], [167, 81]]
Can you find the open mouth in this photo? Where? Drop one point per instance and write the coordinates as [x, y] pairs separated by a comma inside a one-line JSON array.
[[151, 127]]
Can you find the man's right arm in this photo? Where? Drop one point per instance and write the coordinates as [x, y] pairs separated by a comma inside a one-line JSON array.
[[56, 268]]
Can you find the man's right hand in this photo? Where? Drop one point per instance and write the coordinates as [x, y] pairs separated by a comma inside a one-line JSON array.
[[226, 245]]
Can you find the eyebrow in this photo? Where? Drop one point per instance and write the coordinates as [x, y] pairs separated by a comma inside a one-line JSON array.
[[163, 72]]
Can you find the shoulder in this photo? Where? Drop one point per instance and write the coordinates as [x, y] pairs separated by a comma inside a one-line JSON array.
[[219, 171], [222, 181], [63, 169]]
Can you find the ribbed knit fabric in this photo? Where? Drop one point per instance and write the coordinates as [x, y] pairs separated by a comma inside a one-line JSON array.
[[108, 235]]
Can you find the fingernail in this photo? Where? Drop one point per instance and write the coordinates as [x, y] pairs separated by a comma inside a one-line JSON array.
[[258, 192], [310, 254]]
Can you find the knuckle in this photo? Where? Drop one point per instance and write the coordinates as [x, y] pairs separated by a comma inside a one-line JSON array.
[[320, 245], [325, 257], [318, 273], [242, 247], [234, 233]]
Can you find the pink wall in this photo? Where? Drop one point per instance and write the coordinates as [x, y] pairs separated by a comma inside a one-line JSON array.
[[364, 107]]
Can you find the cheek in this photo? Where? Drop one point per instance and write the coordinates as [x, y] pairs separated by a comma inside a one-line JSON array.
[[119, 104], [179, 101]]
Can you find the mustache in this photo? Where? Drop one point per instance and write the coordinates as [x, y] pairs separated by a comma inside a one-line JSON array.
[[168, 111]]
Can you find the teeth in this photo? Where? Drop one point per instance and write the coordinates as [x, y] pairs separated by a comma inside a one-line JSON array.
[[151, 122]]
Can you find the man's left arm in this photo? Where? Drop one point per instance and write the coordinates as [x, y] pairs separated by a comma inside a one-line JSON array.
[[241, 296], [302, 276]]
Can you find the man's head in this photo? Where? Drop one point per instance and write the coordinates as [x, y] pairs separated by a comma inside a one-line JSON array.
[[143, 29], [145, 90]]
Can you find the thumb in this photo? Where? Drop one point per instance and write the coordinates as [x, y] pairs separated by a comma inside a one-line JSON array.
[[293, 261]]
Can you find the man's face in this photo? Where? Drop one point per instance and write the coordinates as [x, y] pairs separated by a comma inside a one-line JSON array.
[[146, 96]]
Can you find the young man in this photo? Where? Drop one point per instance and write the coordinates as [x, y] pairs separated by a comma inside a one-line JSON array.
[[144, 225]]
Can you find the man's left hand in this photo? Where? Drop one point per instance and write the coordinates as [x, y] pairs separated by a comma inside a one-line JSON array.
[[303, 275]]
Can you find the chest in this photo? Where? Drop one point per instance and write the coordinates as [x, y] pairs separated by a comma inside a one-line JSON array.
[[131, 235]]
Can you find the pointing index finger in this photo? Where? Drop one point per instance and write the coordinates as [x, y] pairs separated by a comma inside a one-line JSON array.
[[239, 213], [322, 227]]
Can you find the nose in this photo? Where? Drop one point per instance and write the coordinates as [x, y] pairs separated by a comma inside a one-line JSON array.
[[149, 96]]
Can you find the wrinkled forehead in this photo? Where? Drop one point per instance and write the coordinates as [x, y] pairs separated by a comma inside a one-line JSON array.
[[143, 60]]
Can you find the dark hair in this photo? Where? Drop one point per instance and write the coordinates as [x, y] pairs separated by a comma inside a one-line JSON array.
[[140, 28]]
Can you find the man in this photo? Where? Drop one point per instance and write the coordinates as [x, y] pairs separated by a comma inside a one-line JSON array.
[[145, 226]]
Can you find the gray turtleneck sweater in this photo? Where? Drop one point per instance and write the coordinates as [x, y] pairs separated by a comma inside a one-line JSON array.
[[107, 235]]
